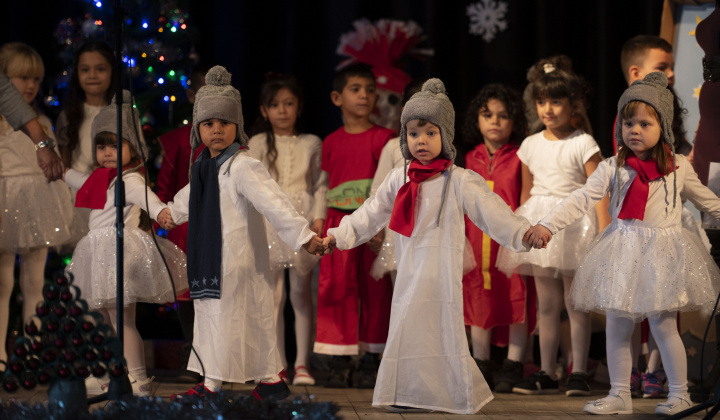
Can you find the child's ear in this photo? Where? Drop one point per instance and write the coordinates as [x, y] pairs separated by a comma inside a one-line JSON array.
[[633, 74], [336, 98], [263, 112]]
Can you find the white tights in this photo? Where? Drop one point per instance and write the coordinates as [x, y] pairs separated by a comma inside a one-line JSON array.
[[301, 300], [133, 346], [618, 332], [552, 293], [482, 337], [32, 279]]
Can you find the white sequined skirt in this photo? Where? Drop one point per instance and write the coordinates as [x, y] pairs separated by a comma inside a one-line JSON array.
[[563, 253], [34, 213], [145, 277], [636, 272], [281, 255]]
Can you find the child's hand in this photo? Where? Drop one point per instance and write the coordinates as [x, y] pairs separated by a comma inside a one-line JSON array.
[[317, 226], [538, 236], [329, 244], [165, 219], [315, 246], [375, 244]]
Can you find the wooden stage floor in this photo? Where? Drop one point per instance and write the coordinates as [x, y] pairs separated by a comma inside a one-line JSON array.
[[357, 403]]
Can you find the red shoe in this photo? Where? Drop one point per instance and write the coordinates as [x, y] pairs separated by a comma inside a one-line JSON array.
[[199, 391], [275, 391], [284, 376]]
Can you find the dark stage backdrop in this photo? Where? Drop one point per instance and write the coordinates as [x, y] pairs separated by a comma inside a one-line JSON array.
[[253, 37]]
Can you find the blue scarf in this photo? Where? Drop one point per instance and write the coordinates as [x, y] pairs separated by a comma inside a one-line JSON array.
[[204, 245]]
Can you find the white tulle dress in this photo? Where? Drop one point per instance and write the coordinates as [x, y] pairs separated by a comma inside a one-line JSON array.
[[93, 264], [640, 268]]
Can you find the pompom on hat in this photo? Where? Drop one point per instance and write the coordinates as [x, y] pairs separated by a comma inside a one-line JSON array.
[[431, 104], [217, 99], [106, 121]]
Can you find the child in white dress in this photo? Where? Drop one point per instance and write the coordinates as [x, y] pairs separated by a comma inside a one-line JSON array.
[[427, 363], [644, 265], [293, 160], [94, 261]]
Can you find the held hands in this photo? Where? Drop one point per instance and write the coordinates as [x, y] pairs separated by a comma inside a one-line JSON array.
[[315, 246], [329, 243], [538, 236], [165, 219], [50, 163]]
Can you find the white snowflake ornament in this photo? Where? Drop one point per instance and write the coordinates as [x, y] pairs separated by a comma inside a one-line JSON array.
[[487, 18]]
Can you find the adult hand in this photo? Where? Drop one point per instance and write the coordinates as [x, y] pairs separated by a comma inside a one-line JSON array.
[[317, 226], [50, 163]]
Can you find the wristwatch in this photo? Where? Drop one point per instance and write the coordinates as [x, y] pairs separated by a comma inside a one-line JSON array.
[[48, 142]]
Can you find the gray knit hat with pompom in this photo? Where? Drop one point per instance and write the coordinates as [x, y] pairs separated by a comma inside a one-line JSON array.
[[431, 104], [653, 91], [217, 99], [106, 121]]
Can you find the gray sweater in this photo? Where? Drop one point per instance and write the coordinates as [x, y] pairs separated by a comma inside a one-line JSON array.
[[12, 105]]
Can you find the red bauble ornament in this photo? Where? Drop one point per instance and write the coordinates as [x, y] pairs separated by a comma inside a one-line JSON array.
[[98, 371], [52, 294], [52, 326], [60, 311], [62, 281], [107, 354], [10, 386], [69, 326], [31, 329], [44, 377], [77, 340], [117, 371], [70, 356], [97, 339], [87, 326], [76, 311], [60, 342], [42, 309], [90, 356], [21, 351]]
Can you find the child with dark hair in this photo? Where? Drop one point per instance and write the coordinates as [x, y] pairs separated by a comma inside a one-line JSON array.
[[92, 86], [293, 160], [353, 308], [224, 204], [556, 103], [93, 262], [499, 309]]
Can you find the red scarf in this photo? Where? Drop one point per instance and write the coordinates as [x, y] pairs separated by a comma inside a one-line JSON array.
[[637, 195], [402, 220], [93, 193]]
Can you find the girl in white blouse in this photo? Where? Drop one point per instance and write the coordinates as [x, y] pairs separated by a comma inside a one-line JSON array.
[[293, 160]]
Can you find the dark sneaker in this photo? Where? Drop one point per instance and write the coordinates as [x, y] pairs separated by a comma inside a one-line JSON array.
[[536, 384], [636, 383], [510, 375], [653, 385], [577, 385], [199, 391], [486, 370], [277, 391], [340, 369], [367, 371]]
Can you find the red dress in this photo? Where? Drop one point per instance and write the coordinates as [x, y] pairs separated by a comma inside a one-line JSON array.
[[490, 299], [353, 310], [173, 176]]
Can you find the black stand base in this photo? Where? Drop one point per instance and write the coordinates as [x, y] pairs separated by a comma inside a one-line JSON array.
[[70, 393], [119, 389]]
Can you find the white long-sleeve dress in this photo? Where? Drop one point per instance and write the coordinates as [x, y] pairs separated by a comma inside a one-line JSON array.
[[638, 268], [427, 363], [235, 335]]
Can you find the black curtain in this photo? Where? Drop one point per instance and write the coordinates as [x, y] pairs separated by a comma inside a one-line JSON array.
[[252, 37]]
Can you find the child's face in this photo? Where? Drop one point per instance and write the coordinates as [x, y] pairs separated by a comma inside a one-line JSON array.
[[424, 142], [641, 133], [282, 112], [555, 113], [106, 155], [495, 123], [656, 60], [94, 73], [357, 99], [217, 135], [28, 85]]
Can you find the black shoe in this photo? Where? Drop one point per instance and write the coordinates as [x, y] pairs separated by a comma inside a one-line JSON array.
[[340, 370], [537, 383], [486, 370], [577, 385], [276, 391], [367, 371], [509, 376]]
